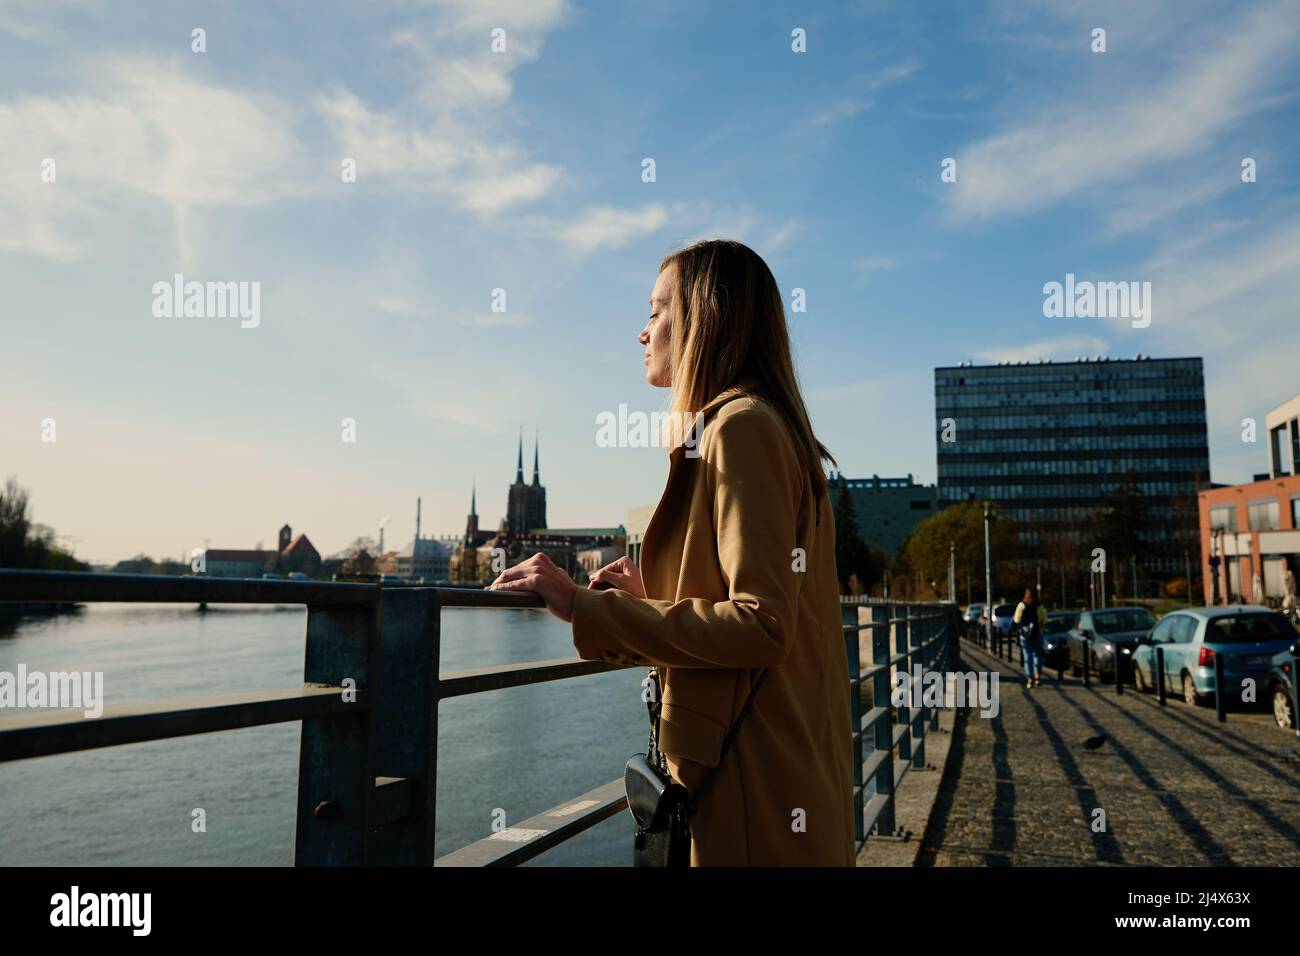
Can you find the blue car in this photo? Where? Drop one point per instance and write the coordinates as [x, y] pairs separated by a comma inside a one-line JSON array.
[[1056, 649], [1247, 638], [1004, 618]]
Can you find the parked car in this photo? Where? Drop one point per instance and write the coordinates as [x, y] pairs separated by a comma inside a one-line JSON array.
[[1002, 618], [1111, 633], [1250, 638], [1281, 680], [1056, 650], [973, 614]]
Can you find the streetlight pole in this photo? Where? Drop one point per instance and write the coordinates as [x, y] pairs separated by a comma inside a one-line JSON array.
[[952, 571], [988, 577]]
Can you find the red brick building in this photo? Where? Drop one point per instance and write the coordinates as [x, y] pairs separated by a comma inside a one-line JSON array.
[[1253, 530]]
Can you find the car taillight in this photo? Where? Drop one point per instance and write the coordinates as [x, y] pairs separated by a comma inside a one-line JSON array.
[[1205, 658]]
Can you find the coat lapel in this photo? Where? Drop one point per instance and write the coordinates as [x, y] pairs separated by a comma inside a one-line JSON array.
[[678, 473]]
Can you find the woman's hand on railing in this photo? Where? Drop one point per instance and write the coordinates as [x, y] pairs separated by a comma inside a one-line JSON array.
[[622, 574], [539, 573]]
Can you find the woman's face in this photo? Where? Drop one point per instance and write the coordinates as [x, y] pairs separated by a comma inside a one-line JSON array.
[[656, 337]]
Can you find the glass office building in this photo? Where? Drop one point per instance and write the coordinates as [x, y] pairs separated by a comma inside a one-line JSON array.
[[1048, 440]]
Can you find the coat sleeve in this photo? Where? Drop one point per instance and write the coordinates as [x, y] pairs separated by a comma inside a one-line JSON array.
[[1020, 610], [754, 481]]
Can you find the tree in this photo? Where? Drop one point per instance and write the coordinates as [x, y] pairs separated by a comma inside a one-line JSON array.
[[1121, 526], [960, 527], [358, 557], [857, 566], [14, 524], [24, 544]]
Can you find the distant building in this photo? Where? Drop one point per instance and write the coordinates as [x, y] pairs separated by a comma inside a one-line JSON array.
[[426, 558], [480, 555], [1253, 530], [886, 508], [638, 519], [1247, 530], [293, 554], [235, 563], [1048, 441], [593, 559], [526, 503], [1283, 425]]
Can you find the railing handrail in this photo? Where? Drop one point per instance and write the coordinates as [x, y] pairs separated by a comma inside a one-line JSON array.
[[359, 630]]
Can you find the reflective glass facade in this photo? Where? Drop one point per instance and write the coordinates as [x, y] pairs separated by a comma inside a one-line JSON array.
[[1047, 441]]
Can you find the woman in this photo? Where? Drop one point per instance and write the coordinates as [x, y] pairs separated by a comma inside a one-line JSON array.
[[738, 575], [1032, 618]]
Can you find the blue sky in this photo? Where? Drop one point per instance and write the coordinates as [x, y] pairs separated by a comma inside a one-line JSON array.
[[522, 170]]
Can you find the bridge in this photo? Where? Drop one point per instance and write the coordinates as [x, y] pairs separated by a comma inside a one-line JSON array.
[[935, 785]]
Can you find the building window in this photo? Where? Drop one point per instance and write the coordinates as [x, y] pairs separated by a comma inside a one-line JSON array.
[[1278, 446], [1263, 515], [1224, 518]]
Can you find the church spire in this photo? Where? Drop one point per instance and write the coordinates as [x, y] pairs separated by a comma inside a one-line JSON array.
[[519, 466], [536, 443], [473, 496]]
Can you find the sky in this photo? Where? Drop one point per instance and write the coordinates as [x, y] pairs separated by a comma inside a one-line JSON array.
[[502, 146]]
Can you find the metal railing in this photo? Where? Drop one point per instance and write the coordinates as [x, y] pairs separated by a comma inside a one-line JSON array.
[[896, 637], [367, 774]]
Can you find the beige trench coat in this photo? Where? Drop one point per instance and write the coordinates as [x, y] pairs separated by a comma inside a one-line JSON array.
[[723, 581]]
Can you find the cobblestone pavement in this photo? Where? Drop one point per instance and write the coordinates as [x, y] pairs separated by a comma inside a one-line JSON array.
[[1177, 787]]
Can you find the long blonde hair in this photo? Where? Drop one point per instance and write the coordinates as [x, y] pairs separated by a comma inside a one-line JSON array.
[[728, 324]]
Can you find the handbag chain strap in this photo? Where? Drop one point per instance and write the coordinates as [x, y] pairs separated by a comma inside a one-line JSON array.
[[656, 756]]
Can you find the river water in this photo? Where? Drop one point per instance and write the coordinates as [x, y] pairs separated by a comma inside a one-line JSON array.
[[521, 750]]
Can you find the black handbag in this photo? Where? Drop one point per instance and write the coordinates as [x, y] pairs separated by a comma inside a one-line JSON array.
[[661, 807]]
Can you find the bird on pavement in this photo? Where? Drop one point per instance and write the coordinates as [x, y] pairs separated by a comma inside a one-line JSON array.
[[1094, 743]]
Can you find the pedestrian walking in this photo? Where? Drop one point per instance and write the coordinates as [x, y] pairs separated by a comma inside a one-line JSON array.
[[1031, 617]]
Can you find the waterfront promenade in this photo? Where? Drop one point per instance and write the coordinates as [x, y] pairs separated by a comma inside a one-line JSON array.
[[1176, 786]]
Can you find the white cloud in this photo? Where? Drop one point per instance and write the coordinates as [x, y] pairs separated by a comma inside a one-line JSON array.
[[780, 236], [151, 130], [442, 139], [862, 98], [441, 157], [1240, 288], [1076, 145], [609, 227], [1150, 202]]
